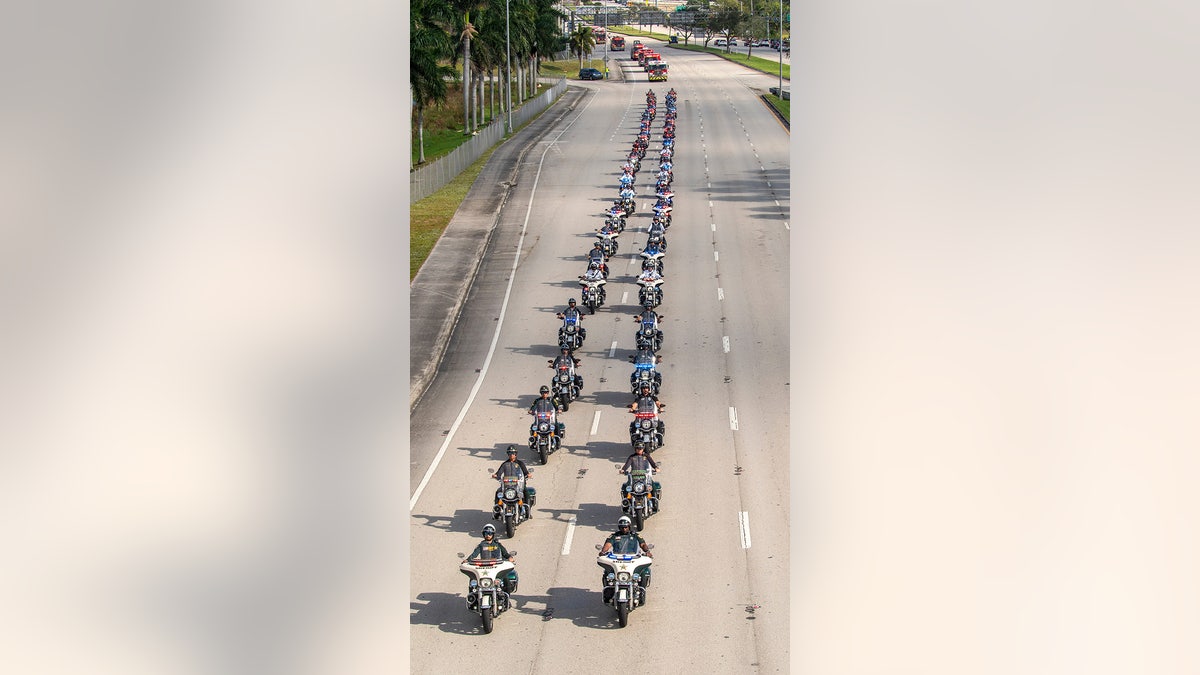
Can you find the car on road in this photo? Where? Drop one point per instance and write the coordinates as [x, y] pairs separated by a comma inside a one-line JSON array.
[[590, 74], [674, 39], [719, 43]]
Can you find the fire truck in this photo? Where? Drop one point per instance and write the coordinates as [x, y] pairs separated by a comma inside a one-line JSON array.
[[617, 43], [657, 71]]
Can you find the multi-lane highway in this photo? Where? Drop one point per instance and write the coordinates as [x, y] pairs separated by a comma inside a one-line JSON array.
[[719, 601]]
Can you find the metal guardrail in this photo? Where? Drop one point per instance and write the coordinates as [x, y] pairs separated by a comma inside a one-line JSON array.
[[429, 179]]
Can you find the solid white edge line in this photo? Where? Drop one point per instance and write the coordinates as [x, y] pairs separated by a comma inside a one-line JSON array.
[[725, 343], [595, 423], [462, 414], [744, 525], [571, 534], [733, 423], [612, 351]]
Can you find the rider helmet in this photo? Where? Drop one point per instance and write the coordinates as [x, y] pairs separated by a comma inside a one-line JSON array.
[[647, 265], [489, 530], [645, 388], [622, 522], [640, 445], [544, 390], [571, 302], [512, 450], [594, 266]]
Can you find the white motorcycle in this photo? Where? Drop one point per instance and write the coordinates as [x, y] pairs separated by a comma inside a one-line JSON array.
[[485, 590], [623, 588]]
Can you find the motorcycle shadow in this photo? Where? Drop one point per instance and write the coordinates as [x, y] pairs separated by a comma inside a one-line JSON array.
[[447, 611], [547, 350], [468, 521], [600, 517], [581, 606], [615, 452], [615, 399]]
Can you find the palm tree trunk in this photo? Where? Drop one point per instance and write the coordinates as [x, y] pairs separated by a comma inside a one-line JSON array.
[[478, 97], [467, 85], [421, 134]]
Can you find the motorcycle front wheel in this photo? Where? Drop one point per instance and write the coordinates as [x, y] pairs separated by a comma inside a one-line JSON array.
[[639, 520], [509, 527], [623, 614], [487, 617], [542, 453]]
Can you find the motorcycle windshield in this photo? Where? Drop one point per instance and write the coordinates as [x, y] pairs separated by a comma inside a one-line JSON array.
[[625, 546]]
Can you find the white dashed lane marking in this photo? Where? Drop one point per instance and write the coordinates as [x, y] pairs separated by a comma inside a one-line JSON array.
[[725, 343], [612, 351], [733, 419], [720, 294], [744, 525], [595, 423], [571, 535]]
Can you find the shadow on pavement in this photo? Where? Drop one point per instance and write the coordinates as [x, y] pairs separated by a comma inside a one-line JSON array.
[[467, 521]]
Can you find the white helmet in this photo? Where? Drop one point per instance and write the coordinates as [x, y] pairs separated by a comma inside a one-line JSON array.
[[624, 521]]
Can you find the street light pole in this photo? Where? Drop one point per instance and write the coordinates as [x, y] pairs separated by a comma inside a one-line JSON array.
[[606, 43], [780, 48], [508, 67]]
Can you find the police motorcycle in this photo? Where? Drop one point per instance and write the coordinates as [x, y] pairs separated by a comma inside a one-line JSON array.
[[644, 373], [592, 293], [654, 254], [564, 387], [545, 435], [649, 295], [514, 503], [639, 496], [623, 578], [647, 428], [648, 335], [615, 216], [570, 334], [596, 255], [657, 234], [608, 241], [489, 587]]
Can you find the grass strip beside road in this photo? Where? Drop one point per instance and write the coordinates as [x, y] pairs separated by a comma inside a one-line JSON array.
[[429, 217], [784, 107], [762, 65], [637, 32]]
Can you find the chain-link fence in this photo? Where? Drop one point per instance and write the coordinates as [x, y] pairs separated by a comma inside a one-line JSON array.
[[427, 180]]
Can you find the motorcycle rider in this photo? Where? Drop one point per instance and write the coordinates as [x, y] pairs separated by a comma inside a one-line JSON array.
[[640, 461], [626, 541], [515, 468], [648, 402], [491, 549], [594, 275], [649, 273], [545, 404], [573, 312], [565, 359]]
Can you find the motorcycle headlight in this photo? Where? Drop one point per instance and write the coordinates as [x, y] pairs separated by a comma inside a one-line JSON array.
[[563, 378], [571, 328], [646, 424], [544, 426], [623, 576], [639, 487], [510, 494], [485, 583]]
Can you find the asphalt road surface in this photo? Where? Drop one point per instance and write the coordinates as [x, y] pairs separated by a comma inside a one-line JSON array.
[[719, 601]]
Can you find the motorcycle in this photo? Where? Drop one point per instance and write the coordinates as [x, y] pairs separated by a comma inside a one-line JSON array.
[[570, 334], [650, 295], [608, 243], [648, 336], [544, 435], [623, 589], [592, 293], [510, 507], [485, 590], [616, 219], [564, 387], [644, 374], [645, 429], [636, 501]]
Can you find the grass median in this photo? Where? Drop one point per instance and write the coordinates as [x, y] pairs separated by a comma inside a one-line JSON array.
[[429, 217], [638, 32], [784, 107], [768, 66]]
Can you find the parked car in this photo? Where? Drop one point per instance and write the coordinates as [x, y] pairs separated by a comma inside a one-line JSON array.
[[674, 39], [719, 43], [590, 74]]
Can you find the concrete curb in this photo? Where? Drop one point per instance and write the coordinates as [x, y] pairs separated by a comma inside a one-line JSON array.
[[786, 123], [438, 292]]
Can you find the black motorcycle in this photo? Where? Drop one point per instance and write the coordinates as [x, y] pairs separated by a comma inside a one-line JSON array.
[[636, 499], [513, 503], [545, 435], [570, 334], [564, 387]]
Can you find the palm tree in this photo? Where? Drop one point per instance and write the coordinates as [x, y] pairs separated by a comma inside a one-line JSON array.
[[467, 31], [582, 42], [429, 46]]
